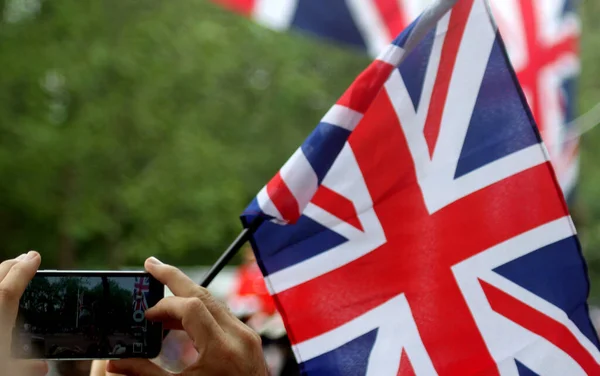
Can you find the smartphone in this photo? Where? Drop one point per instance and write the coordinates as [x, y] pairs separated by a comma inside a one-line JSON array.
[[74, 315]]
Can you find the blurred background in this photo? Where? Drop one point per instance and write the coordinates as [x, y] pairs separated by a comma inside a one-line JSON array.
[[133, 128]]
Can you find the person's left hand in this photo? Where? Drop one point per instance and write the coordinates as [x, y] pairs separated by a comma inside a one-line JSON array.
[[15, 275]]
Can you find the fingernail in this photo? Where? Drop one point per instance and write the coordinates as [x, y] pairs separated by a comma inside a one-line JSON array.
[[30, 255], [155, 261], [21, 257]]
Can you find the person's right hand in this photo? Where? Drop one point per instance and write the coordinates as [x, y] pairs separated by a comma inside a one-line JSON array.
[[225, 345]]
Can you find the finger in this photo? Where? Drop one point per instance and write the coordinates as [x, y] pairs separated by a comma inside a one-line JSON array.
[[6, 265], [135, 367], [181, 285], [32, 367], [14, 284], [98, 368], [193, 315]]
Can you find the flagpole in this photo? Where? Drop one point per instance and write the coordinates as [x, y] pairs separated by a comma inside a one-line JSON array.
[[231, 251], [229, 254]]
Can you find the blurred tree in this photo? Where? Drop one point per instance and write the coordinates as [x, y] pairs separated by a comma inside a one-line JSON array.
[[130, 129], [588, 202]]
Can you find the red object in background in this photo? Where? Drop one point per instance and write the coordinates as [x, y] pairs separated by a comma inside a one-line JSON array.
[[242, 6], [251, 283]]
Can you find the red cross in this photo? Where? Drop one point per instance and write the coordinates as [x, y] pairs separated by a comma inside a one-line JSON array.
[[139, 289], [421, 248], [141, 286]]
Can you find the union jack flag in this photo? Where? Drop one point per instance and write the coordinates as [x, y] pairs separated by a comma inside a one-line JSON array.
[[140, 288], [541, 36], [425, 231]]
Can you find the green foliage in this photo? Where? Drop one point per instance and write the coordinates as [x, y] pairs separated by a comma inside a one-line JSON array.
[[130, 129], [587, 208]]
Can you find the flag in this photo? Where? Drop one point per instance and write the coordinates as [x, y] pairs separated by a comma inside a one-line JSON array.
[[420, 229], [542, 38], [140, 288]]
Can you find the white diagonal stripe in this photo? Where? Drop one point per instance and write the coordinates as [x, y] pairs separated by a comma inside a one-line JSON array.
[[300, 178], [266, 205], [371, 26], [392, 55], [343, 117]]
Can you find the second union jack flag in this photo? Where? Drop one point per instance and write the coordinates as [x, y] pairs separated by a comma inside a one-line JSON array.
[[141, 288], [424, 231]]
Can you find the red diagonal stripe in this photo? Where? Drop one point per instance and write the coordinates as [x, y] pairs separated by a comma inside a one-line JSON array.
[[392, 15], [364, 89], [337, 205], [456, 28], [283, 199], [540, 324]]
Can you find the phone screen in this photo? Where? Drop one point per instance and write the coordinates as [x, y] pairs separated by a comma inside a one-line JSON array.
[[88, 315]]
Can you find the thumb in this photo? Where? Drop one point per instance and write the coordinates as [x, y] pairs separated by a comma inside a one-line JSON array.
[[135, 367]]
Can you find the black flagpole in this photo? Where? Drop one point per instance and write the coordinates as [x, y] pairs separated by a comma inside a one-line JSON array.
[[229, 253]]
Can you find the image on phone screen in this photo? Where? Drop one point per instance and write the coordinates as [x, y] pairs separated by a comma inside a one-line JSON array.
[[88, 316]]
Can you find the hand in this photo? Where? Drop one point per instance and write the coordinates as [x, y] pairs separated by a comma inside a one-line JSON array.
[[225, 345], [99, 369], [14, 277]]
